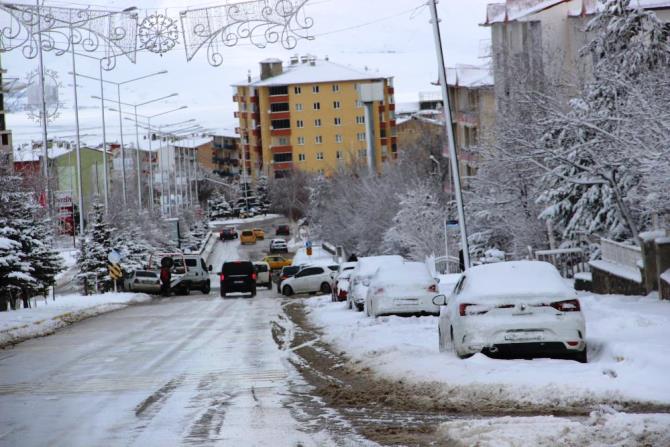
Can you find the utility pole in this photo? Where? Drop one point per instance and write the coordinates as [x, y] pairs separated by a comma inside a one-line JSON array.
[[44, 116], [452, 155]]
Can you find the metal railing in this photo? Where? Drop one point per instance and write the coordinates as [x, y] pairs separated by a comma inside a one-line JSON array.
[[568, 261], [626, 255]]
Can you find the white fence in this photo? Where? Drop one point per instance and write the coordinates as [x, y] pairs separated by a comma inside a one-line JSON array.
[[625, 255], [568, 261]]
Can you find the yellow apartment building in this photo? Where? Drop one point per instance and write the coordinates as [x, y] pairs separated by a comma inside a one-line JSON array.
[[307, 115]]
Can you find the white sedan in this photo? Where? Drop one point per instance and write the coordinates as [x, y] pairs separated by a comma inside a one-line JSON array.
[[310, 279], [517, 308], [405, 289]]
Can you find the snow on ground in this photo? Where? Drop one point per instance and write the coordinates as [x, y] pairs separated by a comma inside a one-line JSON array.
[[48, 316], [259, 218], [629, 355], [602, 428]]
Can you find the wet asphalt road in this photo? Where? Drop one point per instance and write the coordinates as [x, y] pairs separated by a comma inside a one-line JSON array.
[[194, 370]]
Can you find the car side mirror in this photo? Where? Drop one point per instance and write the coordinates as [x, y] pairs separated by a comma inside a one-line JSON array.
[[440, 300], [209, 268]]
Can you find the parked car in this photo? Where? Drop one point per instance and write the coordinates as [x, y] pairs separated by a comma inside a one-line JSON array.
[[247, 237], [263, 277], [259, 233], [228, 233], [276, 262], [406, 289], [189, 272], [516, 308], [341, 268], [286, 272], [238, 276], [360, 278], [341, 288], [142, 281], [283, 230], [278, 246], [310, 279]]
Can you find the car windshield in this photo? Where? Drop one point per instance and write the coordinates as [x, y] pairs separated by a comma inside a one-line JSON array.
[[146, 274], [247, 233]]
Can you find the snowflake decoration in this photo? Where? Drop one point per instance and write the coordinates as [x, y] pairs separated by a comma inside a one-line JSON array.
[[158, 33], [52, 89]]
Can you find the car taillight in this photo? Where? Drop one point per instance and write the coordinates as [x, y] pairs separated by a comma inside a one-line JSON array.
[[342, 293], [566, 306], [463, 309], [432, 288], [253, 276], [222, 277]]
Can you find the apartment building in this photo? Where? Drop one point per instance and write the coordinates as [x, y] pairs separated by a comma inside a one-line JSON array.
[[225, 156], [5, 134], [307, 116], [539, 41]]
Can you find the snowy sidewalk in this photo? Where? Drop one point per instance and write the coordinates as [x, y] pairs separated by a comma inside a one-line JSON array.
[[48, 316], [629, 356]]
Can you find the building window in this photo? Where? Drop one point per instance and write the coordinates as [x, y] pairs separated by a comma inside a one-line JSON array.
[[318, 139], [298, 107], [338, 121], [279, 90], [360, 136], [301, 141], [317, 106], [336, 87], [297, 90], [339, 155], [317, 122], [299, 124], [282, 158], [359, 103], [338, 138], [336, 104], [315, 89], [301, 157], [283, 141], [360, 120], [281, 124], [319, 155], [279, 107]]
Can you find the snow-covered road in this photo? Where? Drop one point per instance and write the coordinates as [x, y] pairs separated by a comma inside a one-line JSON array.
[[195, 370]]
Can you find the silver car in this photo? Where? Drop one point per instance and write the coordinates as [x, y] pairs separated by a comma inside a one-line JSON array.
[[143, 281]]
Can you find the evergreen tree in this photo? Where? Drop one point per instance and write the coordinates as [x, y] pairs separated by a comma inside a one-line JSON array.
[[95, 246]]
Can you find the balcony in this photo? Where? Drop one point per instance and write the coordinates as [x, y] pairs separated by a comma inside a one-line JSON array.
[[390, 90], [282, 166], [382, 108], [467, 117], [391, 107], [391, 123], [280, 132], [278, 98], [281, 149], [280, 115], [236, 98]]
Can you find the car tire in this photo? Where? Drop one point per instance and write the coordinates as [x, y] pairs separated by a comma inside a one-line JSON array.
[[223, 294], [325, 288], [206, 288], [359, 307], [581, 356], [287, 291], [349, 306]]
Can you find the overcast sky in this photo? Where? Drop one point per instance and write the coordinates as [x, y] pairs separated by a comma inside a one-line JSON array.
[[391, 36]]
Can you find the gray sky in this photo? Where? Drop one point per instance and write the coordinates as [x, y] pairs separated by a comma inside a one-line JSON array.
[[392, 36]]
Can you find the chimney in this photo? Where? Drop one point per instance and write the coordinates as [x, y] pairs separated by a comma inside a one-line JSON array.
[[271, 68], [295, 59]]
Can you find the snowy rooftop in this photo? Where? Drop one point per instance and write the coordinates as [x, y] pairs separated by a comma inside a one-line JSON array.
[[322, 71], [26, 154], [469, 76], [191, 143]]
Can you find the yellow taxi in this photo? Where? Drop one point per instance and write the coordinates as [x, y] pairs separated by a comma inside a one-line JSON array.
[[277, 262], [259, 233], [247, 237]]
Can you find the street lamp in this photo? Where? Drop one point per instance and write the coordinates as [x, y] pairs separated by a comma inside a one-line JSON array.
[[118, 95], [137, 141]]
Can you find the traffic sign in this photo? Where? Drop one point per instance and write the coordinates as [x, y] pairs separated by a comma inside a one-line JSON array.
[[308, 244], [114, 257], [115, 271]]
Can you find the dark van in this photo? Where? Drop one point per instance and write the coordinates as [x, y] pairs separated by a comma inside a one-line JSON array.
[[238, 276]]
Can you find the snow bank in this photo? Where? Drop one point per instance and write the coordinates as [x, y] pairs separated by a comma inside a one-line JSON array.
[[601, 429], [48, 316], [627, 337], [259, 218]]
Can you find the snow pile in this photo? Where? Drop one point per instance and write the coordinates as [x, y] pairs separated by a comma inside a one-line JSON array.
[[602, 428], [48, 316], [627, 339]]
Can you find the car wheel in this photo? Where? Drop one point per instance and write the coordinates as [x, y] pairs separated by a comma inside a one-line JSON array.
[[206, 288], [253, 293], [223, 294], [349, 306], [325, 288], [288, 291], [581, 356], [359, 307]]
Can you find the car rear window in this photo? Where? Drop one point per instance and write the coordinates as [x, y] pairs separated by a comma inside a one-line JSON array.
[[146, 274], [247, 233], [237, 268], [192, 262], [292, 270], [261, 268]]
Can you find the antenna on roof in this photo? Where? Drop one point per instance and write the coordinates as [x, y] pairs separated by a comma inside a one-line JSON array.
[[248, 75]]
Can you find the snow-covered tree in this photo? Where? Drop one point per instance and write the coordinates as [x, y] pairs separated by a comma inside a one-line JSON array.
[[95, 246]]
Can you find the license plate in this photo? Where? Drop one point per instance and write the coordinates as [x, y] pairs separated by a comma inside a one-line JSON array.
[[239, 282], [406, 302], [524, 337]]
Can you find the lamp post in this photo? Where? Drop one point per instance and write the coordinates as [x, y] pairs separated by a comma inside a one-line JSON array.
[[119, 103], [137, 140]]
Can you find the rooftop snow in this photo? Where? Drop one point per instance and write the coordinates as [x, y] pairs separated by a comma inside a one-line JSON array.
[[193, 143], [321, 71], [469, 76]]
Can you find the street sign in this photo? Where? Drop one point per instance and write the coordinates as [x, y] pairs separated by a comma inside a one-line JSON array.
[[114, 257], [308, 244], [115, 271]]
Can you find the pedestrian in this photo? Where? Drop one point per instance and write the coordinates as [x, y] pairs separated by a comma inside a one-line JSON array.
[[166, 276]]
